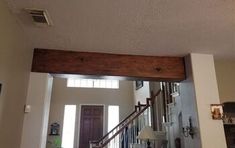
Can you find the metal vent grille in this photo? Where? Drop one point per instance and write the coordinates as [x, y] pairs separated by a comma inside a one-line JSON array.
[[39, 17]]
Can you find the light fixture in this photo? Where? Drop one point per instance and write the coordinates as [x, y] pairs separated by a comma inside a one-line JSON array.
[[189, 130], [147, 134]]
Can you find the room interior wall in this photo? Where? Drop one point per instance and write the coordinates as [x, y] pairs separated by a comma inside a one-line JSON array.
[[225, 73], [175, 114], [198, 92], [158, 103], [189, 107], [15, 62], [36, 120], [158, 110], [63, 95], [142, 93]]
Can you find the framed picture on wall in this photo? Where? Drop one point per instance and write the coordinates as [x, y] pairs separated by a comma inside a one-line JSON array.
[[217, 111], [139, 84]]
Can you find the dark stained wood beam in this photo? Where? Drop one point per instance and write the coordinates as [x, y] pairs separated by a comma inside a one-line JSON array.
[[133, 67]]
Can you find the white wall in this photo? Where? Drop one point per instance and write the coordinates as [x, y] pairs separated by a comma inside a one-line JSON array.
[[197, 93], [225, 72], [189, 107], [15, 61], [62, 95], [142, 93], [36, 121], [154, 87]]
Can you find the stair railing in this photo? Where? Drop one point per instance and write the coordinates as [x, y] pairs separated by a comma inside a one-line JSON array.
[[123, 121], [139, 109]]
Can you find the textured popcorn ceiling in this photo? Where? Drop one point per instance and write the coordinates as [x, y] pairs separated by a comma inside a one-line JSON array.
[[146, 27]]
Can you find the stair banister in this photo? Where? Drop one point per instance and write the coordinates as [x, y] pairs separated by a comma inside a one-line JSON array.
[[137, 108], [123, 127], [100, 140]]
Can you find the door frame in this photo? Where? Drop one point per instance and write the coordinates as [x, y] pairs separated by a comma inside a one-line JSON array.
[[77, 126]]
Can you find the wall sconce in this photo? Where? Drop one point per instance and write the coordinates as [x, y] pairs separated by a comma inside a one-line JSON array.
[[189, 130]]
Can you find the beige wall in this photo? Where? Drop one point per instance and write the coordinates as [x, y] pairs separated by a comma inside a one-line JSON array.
[[142, 93], [197, 93], [62, 95], [36, 121], [15, 61], [189, 107], [155, 87], [225, 72]]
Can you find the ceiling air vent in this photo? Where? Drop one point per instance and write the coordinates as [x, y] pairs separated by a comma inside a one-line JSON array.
[[40, 17]]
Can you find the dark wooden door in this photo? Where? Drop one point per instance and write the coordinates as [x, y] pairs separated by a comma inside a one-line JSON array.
[[91, 124]]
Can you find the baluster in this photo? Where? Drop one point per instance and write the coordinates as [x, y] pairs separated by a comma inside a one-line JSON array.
[[136, 131], [109, 144], [118, 141], [147, 116], [113, 141], [142, 120], [129, 134]]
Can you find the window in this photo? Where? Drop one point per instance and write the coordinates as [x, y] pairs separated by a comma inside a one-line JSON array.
[[113, 116], [69, 126], [113, 120], [93, 83]]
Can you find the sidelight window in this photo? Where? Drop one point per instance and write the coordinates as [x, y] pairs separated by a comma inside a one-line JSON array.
[[69, 126]]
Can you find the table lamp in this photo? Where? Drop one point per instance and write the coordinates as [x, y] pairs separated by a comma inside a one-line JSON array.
[[147, 134]]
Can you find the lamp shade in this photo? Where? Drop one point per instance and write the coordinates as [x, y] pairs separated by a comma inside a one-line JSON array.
[[147, 133]]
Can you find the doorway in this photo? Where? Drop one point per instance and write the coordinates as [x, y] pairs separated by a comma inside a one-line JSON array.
[[91, 124]]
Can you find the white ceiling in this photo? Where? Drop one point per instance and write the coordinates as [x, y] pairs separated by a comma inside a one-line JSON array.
[[146, 27]]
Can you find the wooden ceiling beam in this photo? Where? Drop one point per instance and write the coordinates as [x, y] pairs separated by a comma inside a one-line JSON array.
[[156, 68]]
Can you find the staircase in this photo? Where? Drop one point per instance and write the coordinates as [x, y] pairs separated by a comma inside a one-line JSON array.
[[127, 130]]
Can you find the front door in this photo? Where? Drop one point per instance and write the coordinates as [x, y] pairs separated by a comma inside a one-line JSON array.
[[91, 124]]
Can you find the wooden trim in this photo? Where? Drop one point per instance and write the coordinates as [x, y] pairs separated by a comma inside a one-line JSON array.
[[103, 64]]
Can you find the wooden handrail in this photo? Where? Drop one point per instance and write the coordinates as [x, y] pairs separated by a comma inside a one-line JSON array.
[[123, 127], [154, 96], [98, 141], [126, 124]]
